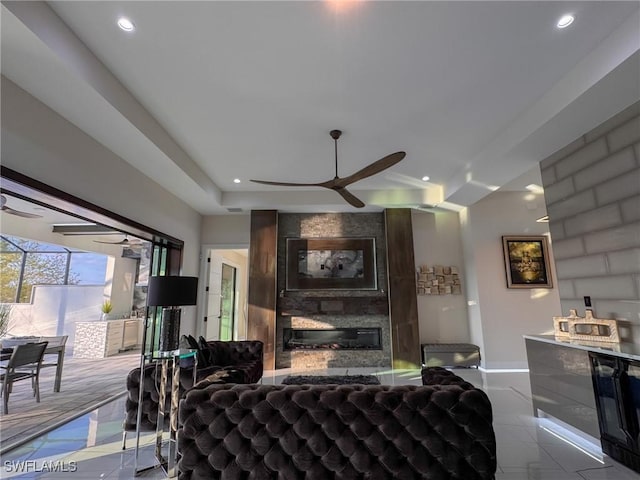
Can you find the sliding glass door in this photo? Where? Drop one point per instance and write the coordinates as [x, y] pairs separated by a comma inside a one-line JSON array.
[[165, 260]]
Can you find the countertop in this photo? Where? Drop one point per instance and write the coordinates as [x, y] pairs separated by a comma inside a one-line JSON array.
[[104, 322], [622, 349]]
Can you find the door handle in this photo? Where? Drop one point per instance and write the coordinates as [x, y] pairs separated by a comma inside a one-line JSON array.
[[621, 407]]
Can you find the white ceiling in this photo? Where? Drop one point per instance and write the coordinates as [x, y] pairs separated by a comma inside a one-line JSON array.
[[476, 93], [40, 228]]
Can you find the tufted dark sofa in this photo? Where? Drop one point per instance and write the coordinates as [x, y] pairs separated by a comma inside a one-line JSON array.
[[442, 376], [241, 359], [320, 432]]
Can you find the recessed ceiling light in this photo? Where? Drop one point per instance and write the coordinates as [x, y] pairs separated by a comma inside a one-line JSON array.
[[565, 21], [236, 180], [425, 178], [125, 24]]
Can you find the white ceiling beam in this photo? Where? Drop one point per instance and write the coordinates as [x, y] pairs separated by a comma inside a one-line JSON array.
[[38, 17]]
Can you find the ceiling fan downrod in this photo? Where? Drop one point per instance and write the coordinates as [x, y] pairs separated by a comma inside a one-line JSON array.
[[335, 134]]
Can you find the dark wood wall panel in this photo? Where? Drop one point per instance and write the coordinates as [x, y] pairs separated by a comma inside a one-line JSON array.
[[403, 303], [262, 281]]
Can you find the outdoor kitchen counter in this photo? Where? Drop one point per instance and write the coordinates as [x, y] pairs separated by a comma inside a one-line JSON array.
[[104, 338]]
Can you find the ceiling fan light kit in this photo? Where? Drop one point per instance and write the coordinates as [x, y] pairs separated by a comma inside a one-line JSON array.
[[338, 184]]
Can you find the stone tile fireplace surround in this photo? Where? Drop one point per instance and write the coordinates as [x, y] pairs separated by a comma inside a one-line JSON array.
[[330, 309]]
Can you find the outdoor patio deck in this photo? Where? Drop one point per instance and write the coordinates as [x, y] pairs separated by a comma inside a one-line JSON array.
[[85, 384]]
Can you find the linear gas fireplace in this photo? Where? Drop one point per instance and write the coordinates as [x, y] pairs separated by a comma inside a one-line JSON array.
[[334, 339]]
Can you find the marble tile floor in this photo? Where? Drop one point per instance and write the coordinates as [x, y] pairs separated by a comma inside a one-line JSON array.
[[89, 447]]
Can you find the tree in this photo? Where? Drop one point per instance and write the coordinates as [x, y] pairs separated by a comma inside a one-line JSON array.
[[5, 315]]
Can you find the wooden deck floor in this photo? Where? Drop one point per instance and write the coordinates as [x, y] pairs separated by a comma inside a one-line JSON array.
[[85, 384]]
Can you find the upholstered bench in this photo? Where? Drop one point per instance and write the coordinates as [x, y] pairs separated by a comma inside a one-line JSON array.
[[450, 355]]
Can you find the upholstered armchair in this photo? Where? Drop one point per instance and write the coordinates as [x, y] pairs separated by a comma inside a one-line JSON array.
[[241, 362]]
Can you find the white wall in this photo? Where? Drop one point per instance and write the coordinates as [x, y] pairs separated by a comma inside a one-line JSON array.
[[121, 280], [226, 230], [436, 241], [55, 310], [498, 316], [39, 143]]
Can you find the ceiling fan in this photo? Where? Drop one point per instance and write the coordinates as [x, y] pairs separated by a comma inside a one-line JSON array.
[[125, 241], [339, 184], [12, 211]]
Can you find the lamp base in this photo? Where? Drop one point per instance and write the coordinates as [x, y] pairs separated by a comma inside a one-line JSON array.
[[170, 330]]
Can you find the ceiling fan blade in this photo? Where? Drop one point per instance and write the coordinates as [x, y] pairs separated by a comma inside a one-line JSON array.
[[125, 241], [287, 184], [375, 167], [18, 213], [338, 184], [121, 242], [349, 197]]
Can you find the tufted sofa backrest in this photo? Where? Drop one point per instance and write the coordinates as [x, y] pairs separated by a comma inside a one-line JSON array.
[[442, 376], [336, 432], [240, 351]]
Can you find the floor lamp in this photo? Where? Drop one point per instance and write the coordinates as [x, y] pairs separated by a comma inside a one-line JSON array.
[[171, 292]]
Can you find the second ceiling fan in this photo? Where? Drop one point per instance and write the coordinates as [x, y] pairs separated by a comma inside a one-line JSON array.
[[339, 184], [125, 241]]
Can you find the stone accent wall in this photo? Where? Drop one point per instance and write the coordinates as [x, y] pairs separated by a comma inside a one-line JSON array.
[[91, 340], [592, 192], [331, 225]]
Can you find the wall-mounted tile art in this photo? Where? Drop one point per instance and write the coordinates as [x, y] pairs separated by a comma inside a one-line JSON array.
[[438, 280]]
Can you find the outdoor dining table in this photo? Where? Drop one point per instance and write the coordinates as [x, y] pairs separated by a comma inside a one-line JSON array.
[[6, 353]]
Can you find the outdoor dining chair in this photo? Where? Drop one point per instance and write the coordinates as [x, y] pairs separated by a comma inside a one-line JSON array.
[[24, 364]]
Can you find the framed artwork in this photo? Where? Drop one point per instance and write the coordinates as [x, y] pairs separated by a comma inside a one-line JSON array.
[[331, 264], [526, 261]]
